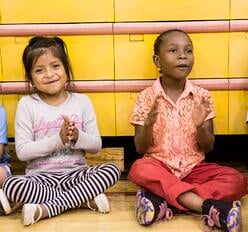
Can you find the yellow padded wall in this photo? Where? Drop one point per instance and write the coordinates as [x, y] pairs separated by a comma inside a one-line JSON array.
[[124, 108], [133, 56], [162, 10], [104, 106], [10, 103], [92, 57], [238, 58], [220, 100], [211, 55], [239, 9], [1, 72], [238, 106], [11, 57], [56, 11]]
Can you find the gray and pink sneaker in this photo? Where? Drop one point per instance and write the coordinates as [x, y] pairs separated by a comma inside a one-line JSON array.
[[151, 208]]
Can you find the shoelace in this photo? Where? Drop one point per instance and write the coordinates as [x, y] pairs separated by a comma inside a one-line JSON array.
[[165, 213], [211, 220]]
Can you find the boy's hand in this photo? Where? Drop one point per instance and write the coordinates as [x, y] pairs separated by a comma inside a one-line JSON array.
[[152, 115], [200, 111]]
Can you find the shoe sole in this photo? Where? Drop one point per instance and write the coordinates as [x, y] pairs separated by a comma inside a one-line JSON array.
[[102, 203], [4, 203], [234, 218], [28, 212], [144, 209], [25, 220]]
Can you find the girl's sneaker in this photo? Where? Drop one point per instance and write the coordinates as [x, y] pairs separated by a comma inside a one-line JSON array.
[[99, 203], [222, 214], [5, 207], [151, 208], [28, 214]]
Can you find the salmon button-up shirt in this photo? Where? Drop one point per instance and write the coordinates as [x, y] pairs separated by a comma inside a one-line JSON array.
[[174, 133]]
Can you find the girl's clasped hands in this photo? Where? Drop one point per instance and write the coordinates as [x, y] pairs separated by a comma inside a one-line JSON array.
[[68, 132]]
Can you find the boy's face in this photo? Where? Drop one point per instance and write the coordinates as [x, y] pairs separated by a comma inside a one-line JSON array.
[[175, 58]]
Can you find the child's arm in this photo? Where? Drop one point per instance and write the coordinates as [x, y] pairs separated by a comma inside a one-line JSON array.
[[205, 136], [26, 146], [143, 138], [3, 131], [143, 134], [1, 150], [204, 128]]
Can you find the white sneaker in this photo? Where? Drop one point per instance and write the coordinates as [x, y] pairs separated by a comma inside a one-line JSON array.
[[4, 204], [101, 202], [28, 213]]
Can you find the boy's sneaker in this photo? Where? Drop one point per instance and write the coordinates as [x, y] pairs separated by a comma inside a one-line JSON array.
[[4, 204], [99, 203], [151, 208], [222, 214]]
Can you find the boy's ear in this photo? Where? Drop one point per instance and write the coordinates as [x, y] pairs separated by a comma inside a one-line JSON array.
[[156, 61]]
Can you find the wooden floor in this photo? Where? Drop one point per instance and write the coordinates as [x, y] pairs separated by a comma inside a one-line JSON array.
[[121, 218]]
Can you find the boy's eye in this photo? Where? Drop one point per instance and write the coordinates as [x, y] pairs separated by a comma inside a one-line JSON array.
[[190, 50], [172, 50]]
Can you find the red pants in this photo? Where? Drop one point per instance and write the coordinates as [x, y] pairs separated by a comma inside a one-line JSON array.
[[208, 180]]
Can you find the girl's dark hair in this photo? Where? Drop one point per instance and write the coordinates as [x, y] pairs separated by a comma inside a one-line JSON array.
[[162, 36], [37, 46]]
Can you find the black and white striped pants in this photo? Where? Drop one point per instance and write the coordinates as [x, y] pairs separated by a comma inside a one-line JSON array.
[[59, 192]]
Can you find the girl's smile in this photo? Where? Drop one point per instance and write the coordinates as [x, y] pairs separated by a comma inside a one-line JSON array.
[[49, 78]]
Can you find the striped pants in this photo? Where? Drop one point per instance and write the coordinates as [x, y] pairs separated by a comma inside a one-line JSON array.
[[61, 191]]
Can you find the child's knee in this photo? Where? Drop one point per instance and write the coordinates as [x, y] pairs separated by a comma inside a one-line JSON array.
[[116, 170], [3, 176], [243, 184], [5, 172], [239, 184], [113, 169], [137, 172]]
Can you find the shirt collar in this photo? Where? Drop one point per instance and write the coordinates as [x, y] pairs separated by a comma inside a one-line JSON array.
[[189, 88]]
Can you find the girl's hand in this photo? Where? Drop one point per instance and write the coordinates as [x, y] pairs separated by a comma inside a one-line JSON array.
[[200, 111], [69, 132], [72, 132], [64, 130]]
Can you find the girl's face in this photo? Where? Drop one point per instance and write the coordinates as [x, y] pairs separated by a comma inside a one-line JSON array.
[[49, 76], [175, 58]]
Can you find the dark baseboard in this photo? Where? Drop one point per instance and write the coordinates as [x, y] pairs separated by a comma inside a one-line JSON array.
[[228, 148]]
